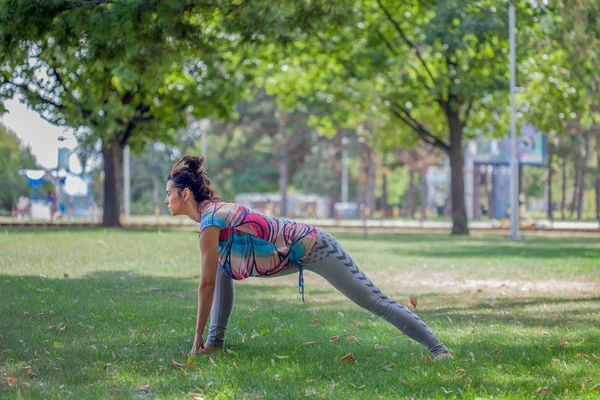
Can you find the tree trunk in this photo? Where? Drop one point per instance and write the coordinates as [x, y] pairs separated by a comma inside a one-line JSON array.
[[575, 191], [563, 203], [113, 182], [457, 161], [283, 168], [549, 205], [598, 177], [335, 194], [371, 174], [384, 194], [423, 194], [583, 174], [409, 205]]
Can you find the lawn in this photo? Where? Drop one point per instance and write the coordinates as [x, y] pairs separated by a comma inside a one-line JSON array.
[[105, 313]]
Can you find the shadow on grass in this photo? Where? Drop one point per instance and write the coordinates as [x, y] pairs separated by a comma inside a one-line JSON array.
[[99, 329]]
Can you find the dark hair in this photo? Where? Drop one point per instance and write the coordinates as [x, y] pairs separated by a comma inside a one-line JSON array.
[[188, 172]]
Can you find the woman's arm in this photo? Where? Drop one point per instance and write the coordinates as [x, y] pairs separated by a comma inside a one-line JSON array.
[[209, 246]]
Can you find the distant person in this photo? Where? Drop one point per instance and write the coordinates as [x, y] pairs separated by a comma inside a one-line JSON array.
[[22, 207], [237, 243], [51, 200]]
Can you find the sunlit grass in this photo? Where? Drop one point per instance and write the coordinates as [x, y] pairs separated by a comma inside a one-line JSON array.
[[99, 314]]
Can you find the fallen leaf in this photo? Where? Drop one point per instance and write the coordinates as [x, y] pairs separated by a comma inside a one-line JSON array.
[[145, 388], [10, 380], [349, 358], [449, 319], [26, 313], [162, 368], [52, 313], [388, 367], [428, 360], [405, 383], [31, 374], [212, 361], [544, 333], [191, 360], [341, 314], [106, 367], [359, 324], [564, 344], [542, 389], [334, 338], [281, 357], [579, 355], [461, 371], [589, 363], [176, 364], [350, 337], [310, 343], [144, 330], [412, 303], [248, 317], [554, 361], [445, 390], [583, 387], [315, 321], [196, 396], [380, 347], [596, 387]]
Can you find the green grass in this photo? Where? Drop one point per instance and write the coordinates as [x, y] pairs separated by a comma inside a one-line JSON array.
[[98, 314]]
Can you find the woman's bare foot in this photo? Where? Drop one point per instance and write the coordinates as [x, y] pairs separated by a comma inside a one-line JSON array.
[[210, 349], [443, 356]]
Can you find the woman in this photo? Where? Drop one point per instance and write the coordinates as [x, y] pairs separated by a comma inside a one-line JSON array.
[[237, 243]]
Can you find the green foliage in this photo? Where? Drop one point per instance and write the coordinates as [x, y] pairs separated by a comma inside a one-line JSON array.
[[13, 157]]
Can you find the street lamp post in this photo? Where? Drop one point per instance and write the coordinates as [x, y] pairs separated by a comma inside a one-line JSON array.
[[514, 162]]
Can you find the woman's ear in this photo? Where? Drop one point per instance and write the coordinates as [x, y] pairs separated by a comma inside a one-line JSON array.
[[186, 194]]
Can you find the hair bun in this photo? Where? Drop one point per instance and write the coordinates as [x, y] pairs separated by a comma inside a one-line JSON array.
[[194, 164]]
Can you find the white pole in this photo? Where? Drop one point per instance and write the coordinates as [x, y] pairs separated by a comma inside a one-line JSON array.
[[126, 183], [514, 163]]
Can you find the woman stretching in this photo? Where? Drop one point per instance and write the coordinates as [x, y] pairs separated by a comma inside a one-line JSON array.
[[237, 243]]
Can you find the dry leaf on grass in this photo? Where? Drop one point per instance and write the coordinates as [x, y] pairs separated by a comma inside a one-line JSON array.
[[596, 387], [579, 355], [334, 338], [31, 374], [310, 343], [196, 396], [10, 380], [412, 303], [564, 344], [176, 364], [145, 388], [544, 333], [281, 357], [542, 389], [380, 347], [315, 321], [349, 358]]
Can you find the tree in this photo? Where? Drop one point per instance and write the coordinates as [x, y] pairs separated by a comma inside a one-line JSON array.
[[127, 72], [13, 157]]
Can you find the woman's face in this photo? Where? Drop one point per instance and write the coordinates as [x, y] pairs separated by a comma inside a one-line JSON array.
[[173, 201]]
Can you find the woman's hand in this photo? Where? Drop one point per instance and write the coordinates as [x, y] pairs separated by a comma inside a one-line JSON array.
[[198, 343]]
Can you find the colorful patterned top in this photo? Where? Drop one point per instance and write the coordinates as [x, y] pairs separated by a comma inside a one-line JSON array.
[[254, 244]]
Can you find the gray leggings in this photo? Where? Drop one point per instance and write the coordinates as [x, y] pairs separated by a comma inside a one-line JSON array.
[[329, 260]]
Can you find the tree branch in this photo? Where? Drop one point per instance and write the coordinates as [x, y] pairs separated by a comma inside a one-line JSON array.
[[407, 40], [25, 88], [404, 115]]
